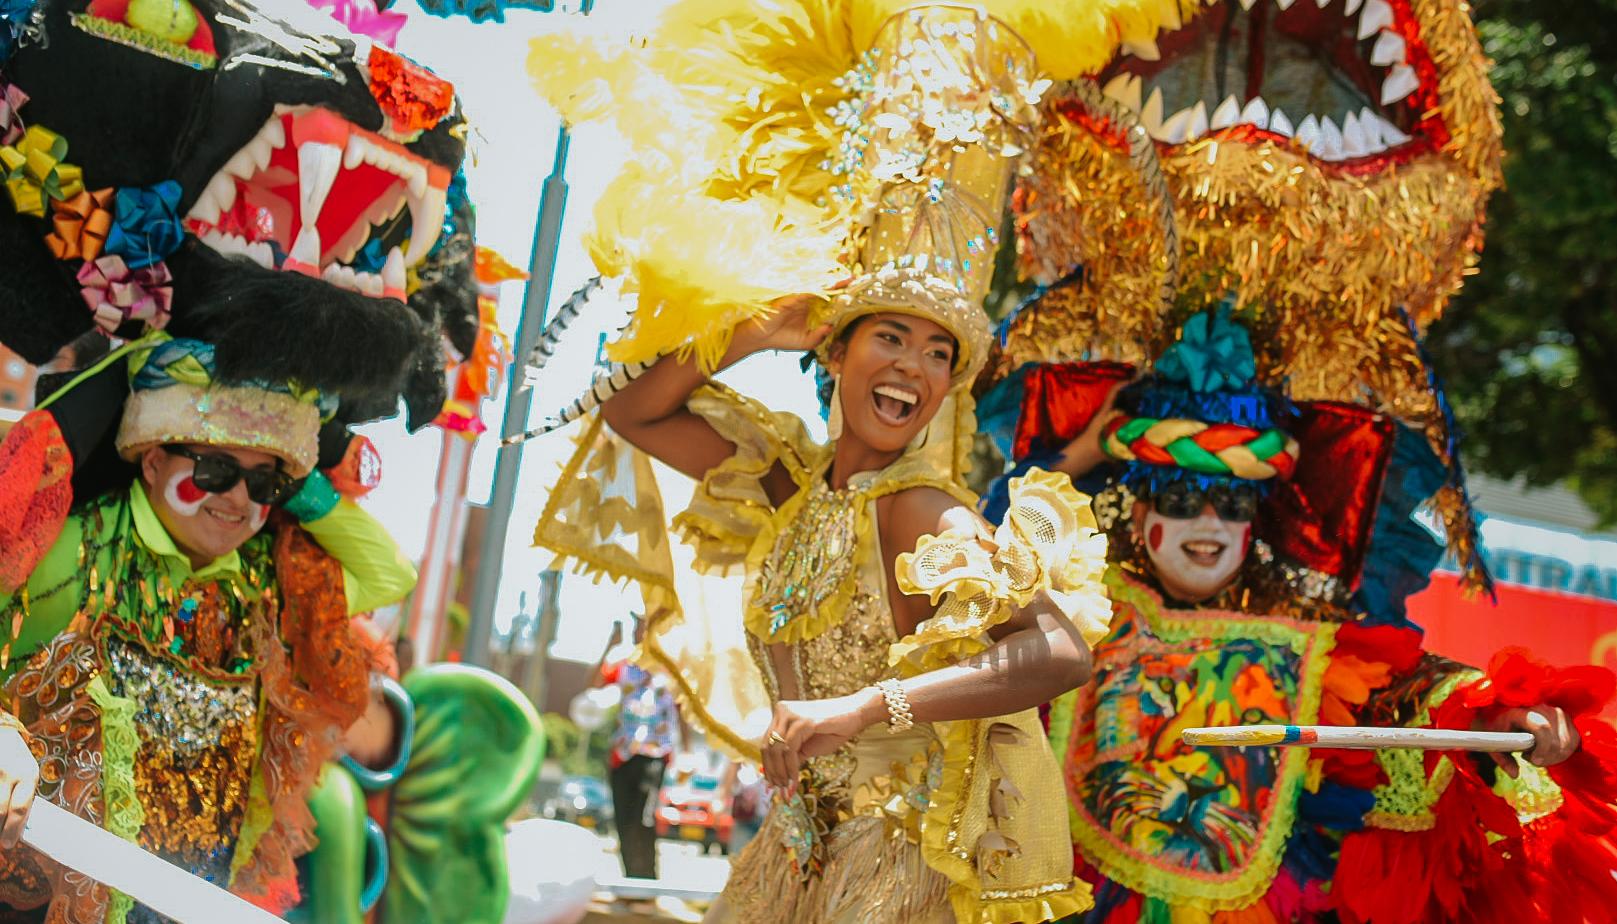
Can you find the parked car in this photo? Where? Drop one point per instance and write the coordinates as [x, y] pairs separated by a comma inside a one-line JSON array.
[[583, 800], [689, 809]]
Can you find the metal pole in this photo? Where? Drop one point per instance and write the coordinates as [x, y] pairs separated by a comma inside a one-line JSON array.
[[535, 301], [429, 605]]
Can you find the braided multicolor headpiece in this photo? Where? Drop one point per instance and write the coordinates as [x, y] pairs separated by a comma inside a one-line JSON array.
[[1210, 449], [1200, 414]]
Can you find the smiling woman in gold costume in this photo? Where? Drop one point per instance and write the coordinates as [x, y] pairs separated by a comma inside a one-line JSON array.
[[898, 644]]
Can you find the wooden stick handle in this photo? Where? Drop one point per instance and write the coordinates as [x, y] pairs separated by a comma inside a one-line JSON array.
[[1330, 736]]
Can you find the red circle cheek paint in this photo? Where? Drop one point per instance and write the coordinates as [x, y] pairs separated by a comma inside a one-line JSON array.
[[188, 492], [1155, 536]]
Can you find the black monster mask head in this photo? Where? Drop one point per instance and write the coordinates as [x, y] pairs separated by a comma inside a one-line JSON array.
[[314, 170]]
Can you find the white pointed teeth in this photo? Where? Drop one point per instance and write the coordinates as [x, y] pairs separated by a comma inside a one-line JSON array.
[[1125, 89], [222, 189], [1330, 140], [426, 222], [1332, 136], [393, 275], [343, 277], [1308, 132], [1389, 50], [1280, 124], [1198, 122], [1145, 51], [1255, 114], [1151, 115], [219, 196], [232, 245], [1176, 130], [1377, 15], [306, 249], [318, 166], [1354, 143], [1401, 81]]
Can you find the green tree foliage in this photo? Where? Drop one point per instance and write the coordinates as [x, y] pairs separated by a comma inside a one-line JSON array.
[[562, 736], [1529, 349]]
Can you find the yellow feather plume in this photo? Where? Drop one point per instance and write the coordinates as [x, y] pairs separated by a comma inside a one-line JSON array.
[[727, 106], [700, 266]]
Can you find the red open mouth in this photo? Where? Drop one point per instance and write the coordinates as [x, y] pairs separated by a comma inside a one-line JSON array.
[[313, 193], [1338, 76], [894, 404]]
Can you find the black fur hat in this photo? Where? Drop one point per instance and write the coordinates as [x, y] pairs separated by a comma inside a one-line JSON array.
[[282, 110]]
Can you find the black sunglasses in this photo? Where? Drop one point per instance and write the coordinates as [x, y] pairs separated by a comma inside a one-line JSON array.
[[217, 474], [1184, 501]]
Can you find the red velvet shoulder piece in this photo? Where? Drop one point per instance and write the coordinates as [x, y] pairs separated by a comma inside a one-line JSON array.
[[1323, 515], [36, 490], [1059, 400]]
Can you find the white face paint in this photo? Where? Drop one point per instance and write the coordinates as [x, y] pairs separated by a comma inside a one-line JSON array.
[[183, 495], [1193, 559]]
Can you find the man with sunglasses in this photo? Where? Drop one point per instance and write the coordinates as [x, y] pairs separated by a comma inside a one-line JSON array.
[[178, 655], [1261, 553]]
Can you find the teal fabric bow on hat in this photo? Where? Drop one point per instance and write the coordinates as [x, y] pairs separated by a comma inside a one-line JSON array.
[[1213, 354]]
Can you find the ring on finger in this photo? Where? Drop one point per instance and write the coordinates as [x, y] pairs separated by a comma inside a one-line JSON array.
[[776, 738]]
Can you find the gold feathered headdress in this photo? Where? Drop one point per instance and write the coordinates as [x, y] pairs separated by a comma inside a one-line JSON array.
[[781, 145]]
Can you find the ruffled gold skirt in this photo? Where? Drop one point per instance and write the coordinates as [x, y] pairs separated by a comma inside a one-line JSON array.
[[873, 875]]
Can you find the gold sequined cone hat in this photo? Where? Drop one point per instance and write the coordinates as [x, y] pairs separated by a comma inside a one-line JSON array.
[[944, 110]]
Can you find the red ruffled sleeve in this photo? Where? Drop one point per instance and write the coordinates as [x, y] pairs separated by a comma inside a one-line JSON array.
[[1479, 861]]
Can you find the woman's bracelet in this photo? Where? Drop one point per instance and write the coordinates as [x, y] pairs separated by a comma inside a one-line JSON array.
[[899, 717]]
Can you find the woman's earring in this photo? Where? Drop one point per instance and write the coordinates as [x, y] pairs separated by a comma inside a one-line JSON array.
[[833, 420]]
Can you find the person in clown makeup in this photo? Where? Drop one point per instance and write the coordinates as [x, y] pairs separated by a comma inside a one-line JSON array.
[[1261, 553], [179, 657]]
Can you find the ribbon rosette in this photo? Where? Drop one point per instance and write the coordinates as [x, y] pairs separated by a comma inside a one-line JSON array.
[[1213, 354], [35, 171], [81, 225], [116, 294], [147, 227], [11, 100]]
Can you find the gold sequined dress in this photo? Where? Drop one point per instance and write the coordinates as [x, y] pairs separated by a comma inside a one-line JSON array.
[[944, 822]]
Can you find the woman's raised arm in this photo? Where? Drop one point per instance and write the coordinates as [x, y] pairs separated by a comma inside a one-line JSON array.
[[650, 412]]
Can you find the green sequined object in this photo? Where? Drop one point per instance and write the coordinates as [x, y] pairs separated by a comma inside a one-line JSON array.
[[811, 558]]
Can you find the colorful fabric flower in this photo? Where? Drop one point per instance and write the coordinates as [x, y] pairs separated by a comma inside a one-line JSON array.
[[1213, 354], [11, 100], [36, 170], [414, 98], [14, 21], [81, 225], [116, 294], [147, 225]]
